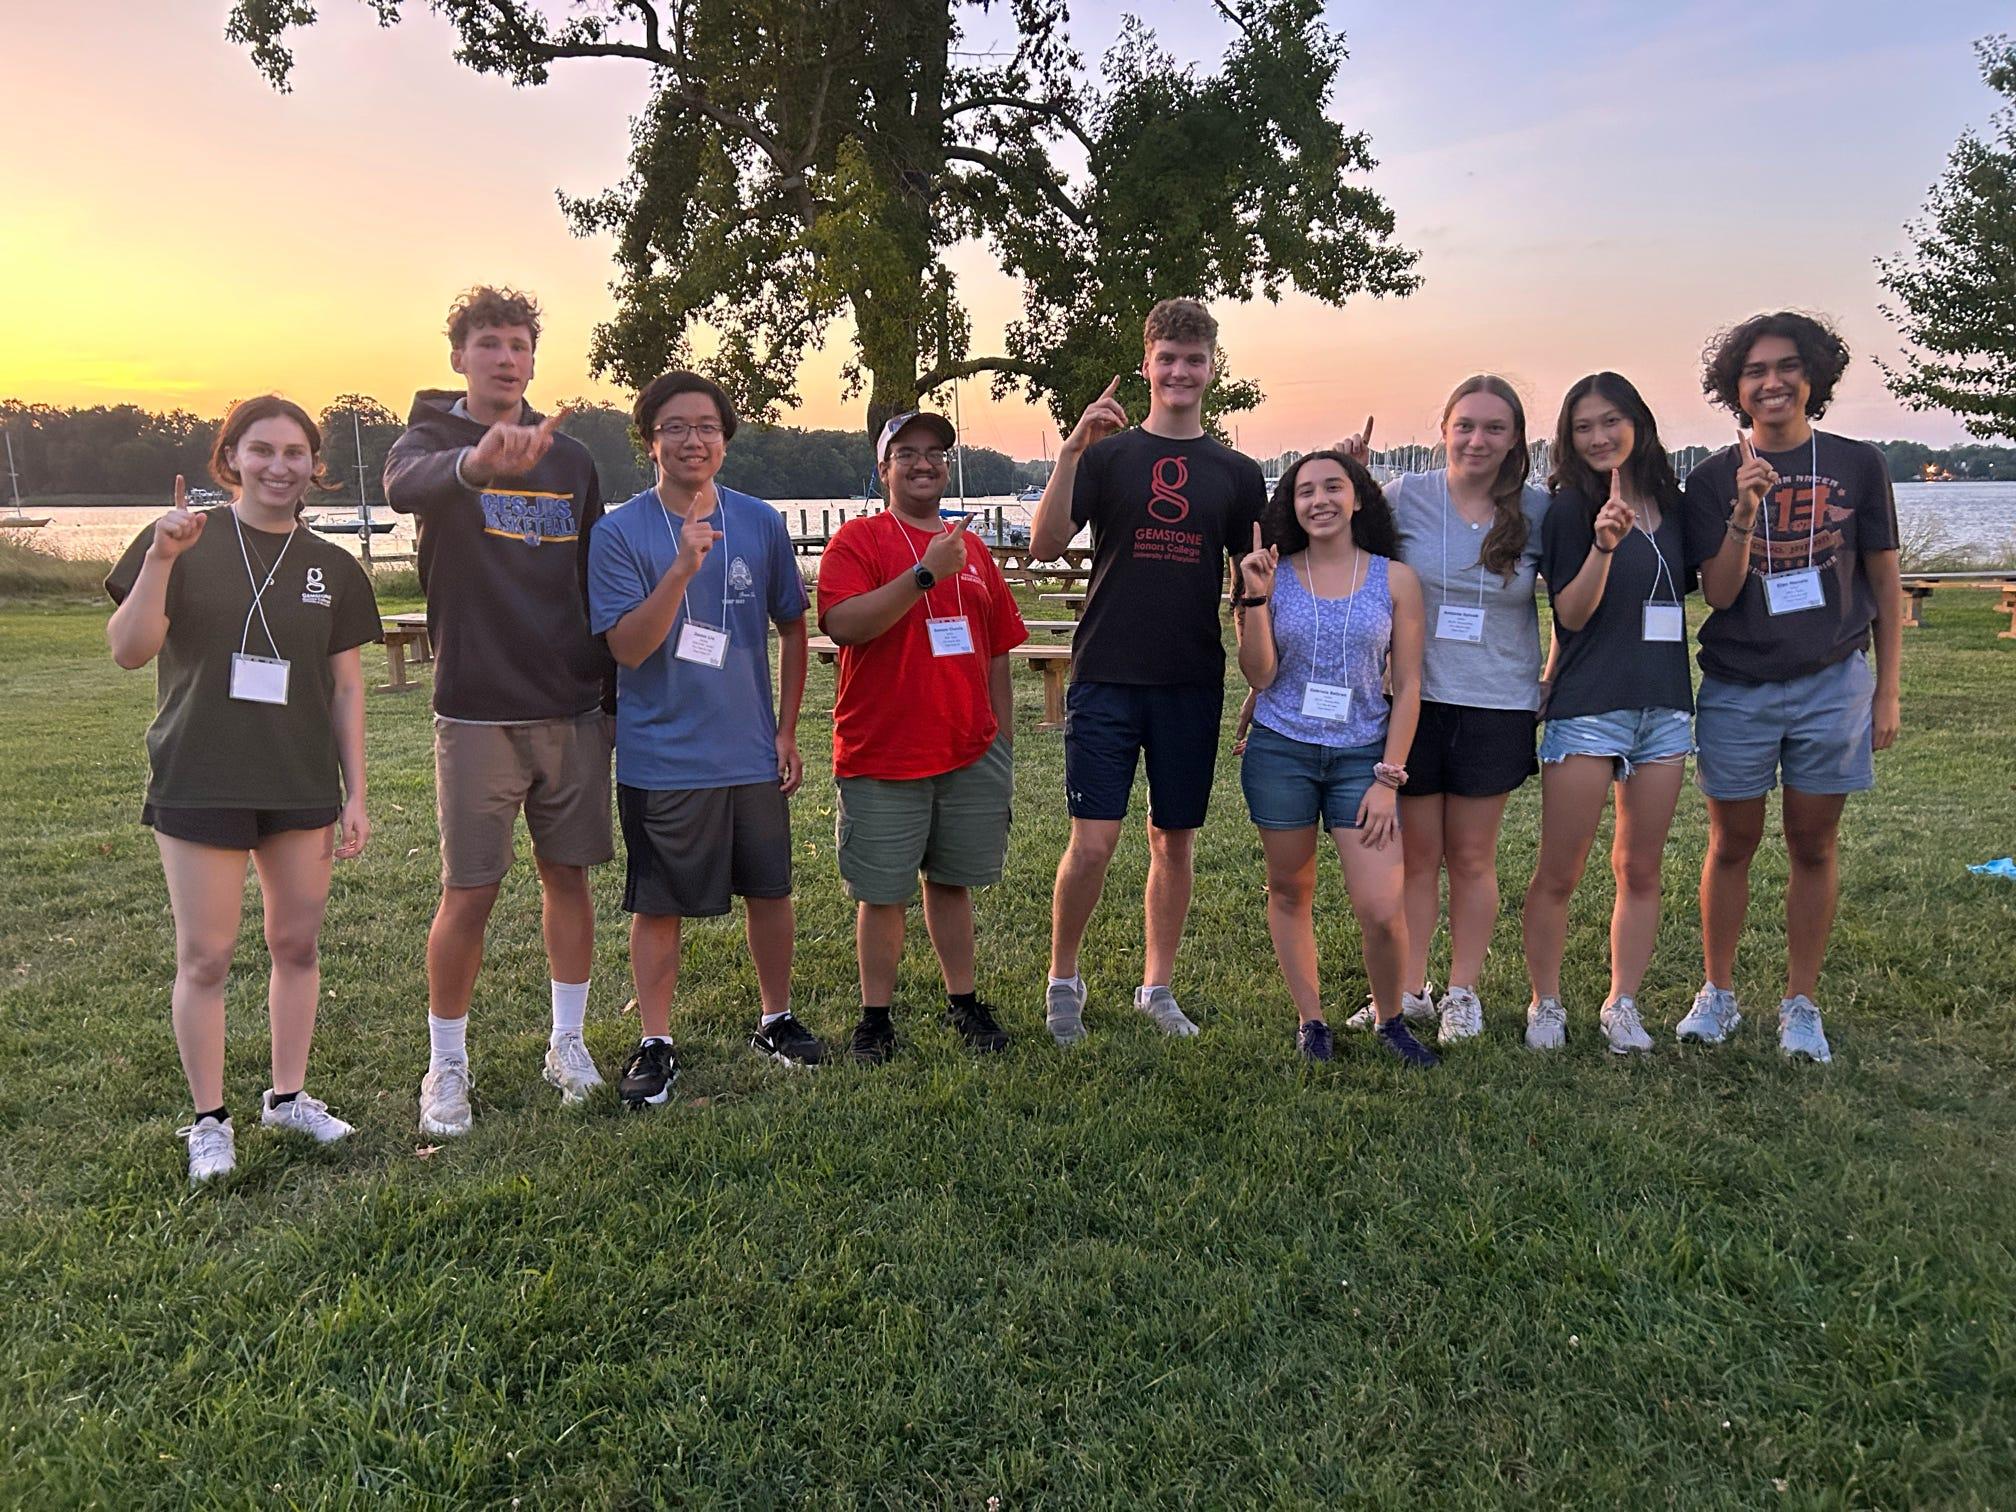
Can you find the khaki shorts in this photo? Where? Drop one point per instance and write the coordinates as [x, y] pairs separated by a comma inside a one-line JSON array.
[[556, 771], [952, 827]]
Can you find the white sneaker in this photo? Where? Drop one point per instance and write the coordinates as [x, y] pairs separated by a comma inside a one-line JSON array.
[[1622, 1028], [1546, 1024], [304, 1115], [213, 1149], [444, 1098], [1418, 1006], [1064, 1011], [1160, 1005], [570, 1068], [1712, 1019], [1462, 1016], [1799, 1031]]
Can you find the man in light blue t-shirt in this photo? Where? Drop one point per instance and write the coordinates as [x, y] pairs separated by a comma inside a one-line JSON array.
[[685, 581]]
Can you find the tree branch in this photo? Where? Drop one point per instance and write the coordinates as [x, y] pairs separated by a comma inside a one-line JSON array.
[[648, 12], [945, 372], [1001, 168], [1048, 108]]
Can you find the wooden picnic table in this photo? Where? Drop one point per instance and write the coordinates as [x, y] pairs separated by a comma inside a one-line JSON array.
[[405, 635], [1048, 658], [1019, 565], [1074, 602], [1919, 586]]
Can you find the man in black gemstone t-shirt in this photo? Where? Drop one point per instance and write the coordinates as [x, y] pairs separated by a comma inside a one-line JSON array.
[[1167, 505]]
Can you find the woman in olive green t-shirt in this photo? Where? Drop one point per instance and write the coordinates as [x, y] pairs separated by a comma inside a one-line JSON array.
[[257, 747]]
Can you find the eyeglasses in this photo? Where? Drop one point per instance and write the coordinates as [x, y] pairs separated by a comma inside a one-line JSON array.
[[676, 431], [909, 456]]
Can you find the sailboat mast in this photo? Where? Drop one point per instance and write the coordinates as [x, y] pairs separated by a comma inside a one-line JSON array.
[[363, 499]]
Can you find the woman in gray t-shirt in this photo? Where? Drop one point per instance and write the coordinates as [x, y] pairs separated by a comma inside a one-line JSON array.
[[1471, 532]]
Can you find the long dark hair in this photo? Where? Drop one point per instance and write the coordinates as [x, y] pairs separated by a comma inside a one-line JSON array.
[[247, 413], [1372, 527], [1506, 538], [1648, 470]]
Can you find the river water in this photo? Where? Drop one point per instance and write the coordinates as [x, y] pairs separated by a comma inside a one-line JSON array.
[[1946, 519]]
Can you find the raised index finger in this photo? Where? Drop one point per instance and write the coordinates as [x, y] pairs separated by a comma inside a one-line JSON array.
[[1111, 388], [1617, 484], [1366, 434], [1749, 451], [1256, 536], [181, 492]]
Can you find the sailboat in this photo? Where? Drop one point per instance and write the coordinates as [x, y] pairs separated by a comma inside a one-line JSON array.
[[361, 524], [18, 520]]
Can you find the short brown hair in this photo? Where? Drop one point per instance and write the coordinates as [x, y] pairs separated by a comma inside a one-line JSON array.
[[485, 306], [669, 386], [247, 413], [1183, 320]]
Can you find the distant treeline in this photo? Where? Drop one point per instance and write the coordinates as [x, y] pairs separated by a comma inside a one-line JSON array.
[[123, 450]]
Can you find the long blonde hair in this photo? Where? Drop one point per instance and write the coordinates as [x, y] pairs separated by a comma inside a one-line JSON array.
[[1506, 539]]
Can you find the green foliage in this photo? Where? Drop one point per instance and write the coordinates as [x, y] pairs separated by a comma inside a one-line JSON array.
[[26, 573], [106, 449], [1956, 294], [1909, 461], [800, 163], [1146, 1273]]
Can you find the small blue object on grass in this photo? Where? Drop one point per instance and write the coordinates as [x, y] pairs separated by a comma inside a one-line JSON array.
[[2001, 866]]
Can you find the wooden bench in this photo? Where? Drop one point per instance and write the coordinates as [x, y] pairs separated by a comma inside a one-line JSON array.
[[1053, 661], [1050, 627], [1918, 587], [404, 634], [1074, 602]]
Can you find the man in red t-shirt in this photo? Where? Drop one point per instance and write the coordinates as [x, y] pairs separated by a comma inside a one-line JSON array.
[[923, 728]]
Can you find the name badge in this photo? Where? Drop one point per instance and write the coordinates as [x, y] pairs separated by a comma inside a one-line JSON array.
[[1665, 622], [1790, 592], [258, 679], [1460, 622], [701, 646], [950, 636], [1326, 701]]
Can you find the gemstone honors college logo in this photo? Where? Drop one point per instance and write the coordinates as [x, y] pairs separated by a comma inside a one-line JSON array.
[[1166, 481], [313, 591]]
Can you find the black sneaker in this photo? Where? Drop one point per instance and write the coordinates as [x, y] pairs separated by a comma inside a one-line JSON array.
[[646, 1078], [1400, 1041], [976, 1026], [1313, 1040], [873, 1040], [787, 1042]]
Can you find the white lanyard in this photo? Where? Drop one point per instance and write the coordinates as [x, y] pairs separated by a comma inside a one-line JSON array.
[[1661, 621], [1812, 522], [259, 588], [720, 546], [1459, 622], [1316, 605], [1661, 570], [959, 593]]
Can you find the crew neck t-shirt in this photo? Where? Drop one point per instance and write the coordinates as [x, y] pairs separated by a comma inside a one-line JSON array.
[[901, 713], [680, 725], [207, 749], [1342, 641], [1850, 488], [1501, 671], [1165, 515], [1608, 664]]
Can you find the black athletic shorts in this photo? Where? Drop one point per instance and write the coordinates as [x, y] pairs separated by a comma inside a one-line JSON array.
[[1470, 753], [691, 851], [1173, 727], [232, 828]]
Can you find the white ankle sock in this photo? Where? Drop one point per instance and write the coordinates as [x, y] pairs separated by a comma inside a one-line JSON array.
[[771, 1018], [1075, 982], [570, 1008], [1141, 993], [447, 1039]]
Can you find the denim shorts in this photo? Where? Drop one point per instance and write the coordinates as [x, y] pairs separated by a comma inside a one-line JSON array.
[[1629, 737], [1818, 730], [1290, 784]]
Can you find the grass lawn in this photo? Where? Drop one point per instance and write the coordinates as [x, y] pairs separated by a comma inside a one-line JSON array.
[[1148, 1271]]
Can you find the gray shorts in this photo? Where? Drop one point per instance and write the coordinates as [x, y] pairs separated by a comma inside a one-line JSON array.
[[952, 827], [692, 851], [1818, 730], [557, 771]]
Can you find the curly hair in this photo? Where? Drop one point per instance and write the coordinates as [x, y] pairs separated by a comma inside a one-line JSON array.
[[1183, 320], [1506, 538], [1648, 468], [247, 413], [1372, 527], [1822, 353], [485, 306]]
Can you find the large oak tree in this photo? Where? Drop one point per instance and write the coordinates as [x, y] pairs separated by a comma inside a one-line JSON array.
[[798, 162]]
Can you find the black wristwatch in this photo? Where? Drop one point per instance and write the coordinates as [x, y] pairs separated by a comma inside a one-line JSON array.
[[925, 577]]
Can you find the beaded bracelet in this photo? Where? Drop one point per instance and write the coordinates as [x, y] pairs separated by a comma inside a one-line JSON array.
[[1388, 775]]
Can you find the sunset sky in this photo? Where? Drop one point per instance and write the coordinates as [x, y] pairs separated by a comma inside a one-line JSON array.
[[1589, 184]]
